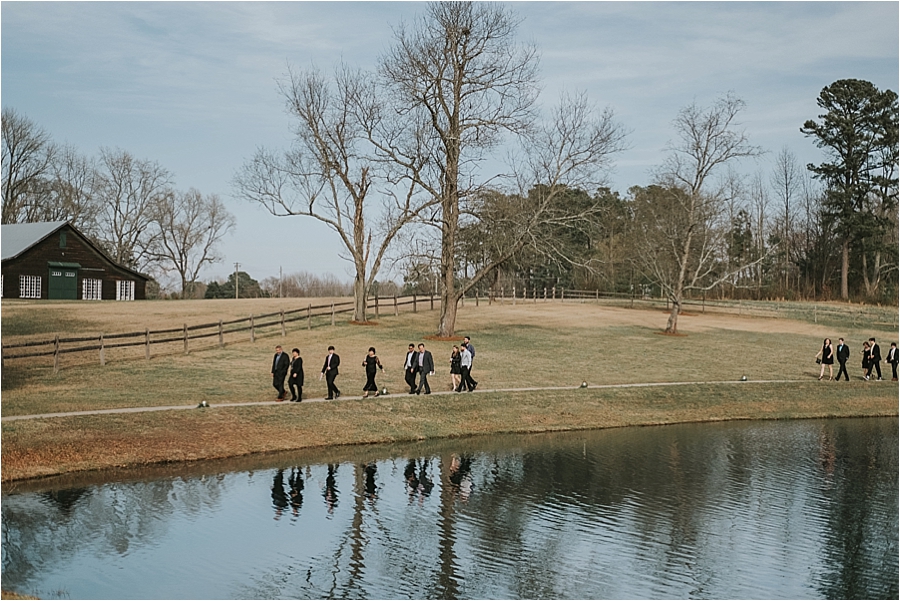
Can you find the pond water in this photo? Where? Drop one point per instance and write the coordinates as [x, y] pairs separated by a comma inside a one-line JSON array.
[[792, 509]]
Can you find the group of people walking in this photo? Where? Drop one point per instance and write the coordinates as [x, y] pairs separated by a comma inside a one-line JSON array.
[[871, 359], [418, 367]]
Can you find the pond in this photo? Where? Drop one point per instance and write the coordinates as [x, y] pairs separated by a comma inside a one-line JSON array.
[[790, 509]]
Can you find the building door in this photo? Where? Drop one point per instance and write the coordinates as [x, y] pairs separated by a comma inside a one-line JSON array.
[[63, 282]]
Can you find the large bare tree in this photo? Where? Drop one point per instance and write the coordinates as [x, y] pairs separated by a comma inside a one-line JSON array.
[[678, 226], [127, 194], [460, 70], [463, 81], [332, 173], [189, 227], [28, 154]]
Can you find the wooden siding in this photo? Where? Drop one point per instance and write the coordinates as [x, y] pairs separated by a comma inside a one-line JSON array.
[[94, 265]]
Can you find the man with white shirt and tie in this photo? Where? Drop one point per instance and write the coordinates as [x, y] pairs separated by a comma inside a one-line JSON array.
[[411, 368]]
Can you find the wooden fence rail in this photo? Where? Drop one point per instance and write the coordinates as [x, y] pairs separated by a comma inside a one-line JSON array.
[[825, 314]]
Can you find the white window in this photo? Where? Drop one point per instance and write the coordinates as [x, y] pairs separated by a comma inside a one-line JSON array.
[[125, 290], [91, 289], [29, 286]]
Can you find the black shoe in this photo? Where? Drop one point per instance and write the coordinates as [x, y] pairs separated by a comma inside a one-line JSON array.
[[473, 387], [329, 398], [294, 400], [337, 395], [428, 392]]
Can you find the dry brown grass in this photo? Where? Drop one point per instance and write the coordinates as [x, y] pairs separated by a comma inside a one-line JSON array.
[[517, 346]]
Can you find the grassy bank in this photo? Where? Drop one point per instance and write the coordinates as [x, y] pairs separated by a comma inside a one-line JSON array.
[[521, 346]]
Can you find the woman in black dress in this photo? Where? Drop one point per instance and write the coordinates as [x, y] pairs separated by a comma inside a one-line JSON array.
[[372, 364], [827, 354], [455, 367], [867, 359]]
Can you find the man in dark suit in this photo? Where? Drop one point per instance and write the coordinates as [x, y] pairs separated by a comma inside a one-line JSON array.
[[411, 368], [280, 365], [843, 353], [876, 358], [426, 368], [330, 371], [295, 382], [893, 359]]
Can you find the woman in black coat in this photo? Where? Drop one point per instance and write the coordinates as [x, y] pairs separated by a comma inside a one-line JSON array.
[[372, 364], [295, 382]]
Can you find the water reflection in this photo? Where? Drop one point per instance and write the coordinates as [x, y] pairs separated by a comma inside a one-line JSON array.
[[804, 509]]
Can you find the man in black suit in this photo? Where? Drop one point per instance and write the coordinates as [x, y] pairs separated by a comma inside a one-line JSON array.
[[280, 365], [893, 359], [411, 367], [426, 368], [330, 371], [295, 382], [843, 353], [876, 358]]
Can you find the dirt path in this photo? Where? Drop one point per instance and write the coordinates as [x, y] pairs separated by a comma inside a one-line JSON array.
[[261, 403]]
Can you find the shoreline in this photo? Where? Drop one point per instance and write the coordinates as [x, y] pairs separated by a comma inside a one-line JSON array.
[[104, 444]]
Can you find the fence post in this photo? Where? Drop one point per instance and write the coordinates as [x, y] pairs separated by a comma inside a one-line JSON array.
[[252, 329], [396, 310], [56, 354], [376, 306], [221, 335], [476, 298], [514, 295], [545, 293], [431, 301], [502, 295], [185, 339], [703, 305], [534, 293], [597, 294], [147, 343], [562, 294], [414, 303], [283, 333], [102, 351], [815, 314], [332, 312], [309, 315], [632, 296], [554, 293]]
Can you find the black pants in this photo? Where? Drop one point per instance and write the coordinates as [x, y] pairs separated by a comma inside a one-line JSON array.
[[295, 388], [278, 384], [423, 383], [894, 370], [877, 366], [332, 389], [465, 379], [411, 379], [843, 370]]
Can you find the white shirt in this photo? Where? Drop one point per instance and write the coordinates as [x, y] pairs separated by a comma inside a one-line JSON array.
[[465, 357]]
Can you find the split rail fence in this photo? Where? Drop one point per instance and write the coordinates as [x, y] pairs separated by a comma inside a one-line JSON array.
[[178, 339]]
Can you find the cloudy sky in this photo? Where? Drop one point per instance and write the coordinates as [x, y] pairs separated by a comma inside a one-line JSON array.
[[193, 85]]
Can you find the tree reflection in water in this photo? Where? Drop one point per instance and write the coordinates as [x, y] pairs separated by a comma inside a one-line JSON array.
[[804, 509]]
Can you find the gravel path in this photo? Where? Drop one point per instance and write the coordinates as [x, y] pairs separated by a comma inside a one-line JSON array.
[[261, 403]]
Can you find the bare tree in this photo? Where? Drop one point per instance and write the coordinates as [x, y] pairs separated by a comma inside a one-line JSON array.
[[28, 154], [127, 194], [786, 181], [680, 235], [189, 227], [70, 191], [460, 73], [330, 173]]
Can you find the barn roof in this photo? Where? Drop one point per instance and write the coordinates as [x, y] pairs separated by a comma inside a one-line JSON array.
[[16, 238]]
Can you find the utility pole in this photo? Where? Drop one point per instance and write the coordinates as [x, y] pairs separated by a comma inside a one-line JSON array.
[[236, 267]]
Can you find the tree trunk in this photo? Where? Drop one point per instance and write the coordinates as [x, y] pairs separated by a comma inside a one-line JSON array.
[[845, 268], [672, 323], [360, 298]]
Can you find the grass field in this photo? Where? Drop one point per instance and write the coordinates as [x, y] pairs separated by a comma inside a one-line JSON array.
[[522, 346]]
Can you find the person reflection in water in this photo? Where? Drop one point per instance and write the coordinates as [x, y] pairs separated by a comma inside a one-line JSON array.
[[418, 485], [460, 476], [371, 489], [279, 497], [295, 482], [331, 491]]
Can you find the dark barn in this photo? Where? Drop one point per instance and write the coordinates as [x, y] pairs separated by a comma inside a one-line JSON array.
[[55, 261]]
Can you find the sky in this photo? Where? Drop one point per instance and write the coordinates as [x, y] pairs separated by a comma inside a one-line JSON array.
[[193, 86]]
